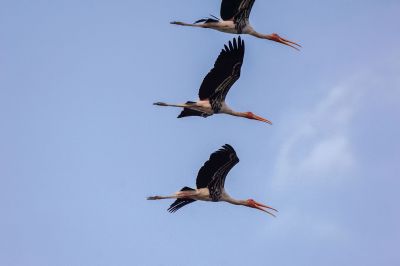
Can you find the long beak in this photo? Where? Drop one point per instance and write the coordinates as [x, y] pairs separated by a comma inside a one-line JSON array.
[[275, 37], [262, 119], [265, 208]]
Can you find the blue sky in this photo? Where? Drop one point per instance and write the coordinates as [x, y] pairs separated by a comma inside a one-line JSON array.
[[81, 145]]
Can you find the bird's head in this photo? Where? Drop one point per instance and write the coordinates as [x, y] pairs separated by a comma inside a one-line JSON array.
[[250, 115], [276, 38], [256, 205]]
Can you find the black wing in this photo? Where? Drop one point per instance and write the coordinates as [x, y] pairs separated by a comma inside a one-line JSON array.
[[179, 203], [230, 9], [213, 173], [226, 71], [190, 112]]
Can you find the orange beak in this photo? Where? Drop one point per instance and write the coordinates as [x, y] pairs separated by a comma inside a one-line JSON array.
[[262, 119], [264, 208], [275, 37]]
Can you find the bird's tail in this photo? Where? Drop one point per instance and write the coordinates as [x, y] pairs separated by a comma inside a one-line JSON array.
[[180, 202], [190, 112]]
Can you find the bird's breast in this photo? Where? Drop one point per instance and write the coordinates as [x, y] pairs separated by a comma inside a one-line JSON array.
[[225, 196], [247, 29], [225, 109]]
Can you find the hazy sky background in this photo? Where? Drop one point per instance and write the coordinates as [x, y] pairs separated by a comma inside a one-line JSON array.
[[81, 144]]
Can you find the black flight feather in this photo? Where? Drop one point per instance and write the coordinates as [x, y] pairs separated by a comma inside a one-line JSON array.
[[179, 203]]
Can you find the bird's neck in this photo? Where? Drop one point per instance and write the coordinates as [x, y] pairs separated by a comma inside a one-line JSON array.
[[260, 35], [239, 114], [233, 201]]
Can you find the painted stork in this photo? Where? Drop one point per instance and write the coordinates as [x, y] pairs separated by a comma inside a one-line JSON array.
[[235, 19], [216, 85], [210, 184]]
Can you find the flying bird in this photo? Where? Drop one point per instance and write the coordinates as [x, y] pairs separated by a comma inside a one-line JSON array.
[[210, 184], [216, 86], [235, 19]]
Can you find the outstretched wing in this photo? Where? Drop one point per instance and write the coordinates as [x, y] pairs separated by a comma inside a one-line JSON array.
[[213, 173], [226, 71], [179, 203], [231, 9]]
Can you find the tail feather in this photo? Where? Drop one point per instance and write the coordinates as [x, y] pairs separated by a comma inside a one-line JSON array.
[[190, 112], [179, 203]]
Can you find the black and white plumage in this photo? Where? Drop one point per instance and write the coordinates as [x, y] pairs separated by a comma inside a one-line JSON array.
[[235, 19], [238, 11], [210, 183], [211, 176], [225, 73], [213, 173], [216, 85]]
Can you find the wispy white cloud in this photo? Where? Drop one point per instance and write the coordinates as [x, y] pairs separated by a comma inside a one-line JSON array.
[[317, 144], [316, 149]]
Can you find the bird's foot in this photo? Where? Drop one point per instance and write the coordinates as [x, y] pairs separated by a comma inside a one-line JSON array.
[[160, 104], [177, 23], [154, 198]]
